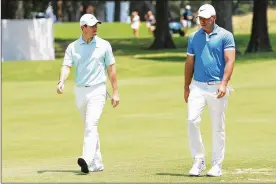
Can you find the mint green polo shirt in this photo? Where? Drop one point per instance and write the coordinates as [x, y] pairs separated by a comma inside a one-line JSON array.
[[90, 60]]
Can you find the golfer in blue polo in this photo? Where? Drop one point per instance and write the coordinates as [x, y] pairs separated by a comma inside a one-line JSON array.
[[208, 69]]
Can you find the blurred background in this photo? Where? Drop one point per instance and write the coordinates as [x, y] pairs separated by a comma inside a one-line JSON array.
[[35, 17], [145, 139]]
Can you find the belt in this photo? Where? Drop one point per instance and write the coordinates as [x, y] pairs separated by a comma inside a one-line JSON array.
[[93, 85], [83, 86], [209, 82], [213, 82]]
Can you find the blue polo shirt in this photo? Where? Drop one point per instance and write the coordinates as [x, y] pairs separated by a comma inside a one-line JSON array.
[[208, 51], [90, 60]]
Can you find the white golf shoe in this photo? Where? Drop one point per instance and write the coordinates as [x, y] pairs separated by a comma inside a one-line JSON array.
[[215, 171], [96, 169], [197, 168]]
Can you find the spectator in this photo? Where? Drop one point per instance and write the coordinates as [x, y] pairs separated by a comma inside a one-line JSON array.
[[90, 9], [186, 18], [150, 21], [135, 23]]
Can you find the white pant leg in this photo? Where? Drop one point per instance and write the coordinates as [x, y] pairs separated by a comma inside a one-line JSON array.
[[90, 103], [97, 163], [196, 104], [91, 137], [217, 112]]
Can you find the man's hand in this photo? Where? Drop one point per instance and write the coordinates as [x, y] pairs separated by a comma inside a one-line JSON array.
[[186, 94], [60, 87], [115, 99], [221, 91]]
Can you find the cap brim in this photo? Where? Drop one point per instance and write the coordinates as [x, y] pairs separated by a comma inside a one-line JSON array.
[[205, 15], [94, 23]]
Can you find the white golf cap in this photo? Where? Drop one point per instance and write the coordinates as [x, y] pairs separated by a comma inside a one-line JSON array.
[[188, 7], [206, 11], [89, 19]]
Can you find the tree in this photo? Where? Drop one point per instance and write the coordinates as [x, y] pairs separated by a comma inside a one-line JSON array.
[[8, 9], [162, 36], [117, 11], [69, 11], [19, 13], [59, 10], [259, 40], [100, 10], [224, 12]]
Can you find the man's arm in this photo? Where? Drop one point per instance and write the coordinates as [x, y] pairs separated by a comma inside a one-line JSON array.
[[189, 70], [112, 75], [229, 56], [188, 75], [63, 75], [65, 69]]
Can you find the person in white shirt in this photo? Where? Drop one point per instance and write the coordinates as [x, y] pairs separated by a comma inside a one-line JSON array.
[[135, 23], [92, 58]]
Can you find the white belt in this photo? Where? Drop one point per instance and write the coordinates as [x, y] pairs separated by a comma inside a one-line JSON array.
[[208, 83]]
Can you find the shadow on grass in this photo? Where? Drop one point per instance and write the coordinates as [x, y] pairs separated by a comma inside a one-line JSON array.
[[161, 58], [61, 171], [132, 46], [123, 46], [175, 174]]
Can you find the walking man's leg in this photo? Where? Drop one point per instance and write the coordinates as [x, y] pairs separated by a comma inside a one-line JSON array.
[[97, 164], [91, 148], [217, 109], [196, 104]]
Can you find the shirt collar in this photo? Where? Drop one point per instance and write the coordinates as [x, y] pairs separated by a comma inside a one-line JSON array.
[[215, 30], [94, 40]]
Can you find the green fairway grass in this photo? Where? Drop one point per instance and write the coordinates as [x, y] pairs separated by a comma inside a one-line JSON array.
[[145, 138]]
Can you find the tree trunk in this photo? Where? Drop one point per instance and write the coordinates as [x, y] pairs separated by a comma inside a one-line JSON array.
[[8, 9], [162, 36], [19, 13], [59, 10], [100, 11], [224, 12], [71, 10], [259, 40], [117, 11]]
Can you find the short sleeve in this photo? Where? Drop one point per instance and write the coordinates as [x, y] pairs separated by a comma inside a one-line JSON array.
[[229, 42], [68, 59], [109, 57], [190, 49]]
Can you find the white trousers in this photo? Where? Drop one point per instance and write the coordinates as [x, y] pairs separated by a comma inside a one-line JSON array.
[[201, 95], [90, 102]]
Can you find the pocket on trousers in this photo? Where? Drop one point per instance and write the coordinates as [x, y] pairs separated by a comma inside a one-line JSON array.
[[229, 90], [79, 97], [191, 86]]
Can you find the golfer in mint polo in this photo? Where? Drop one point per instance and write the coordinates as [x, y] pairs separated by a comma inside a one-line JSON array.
[[92, 58], [208, 69]]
